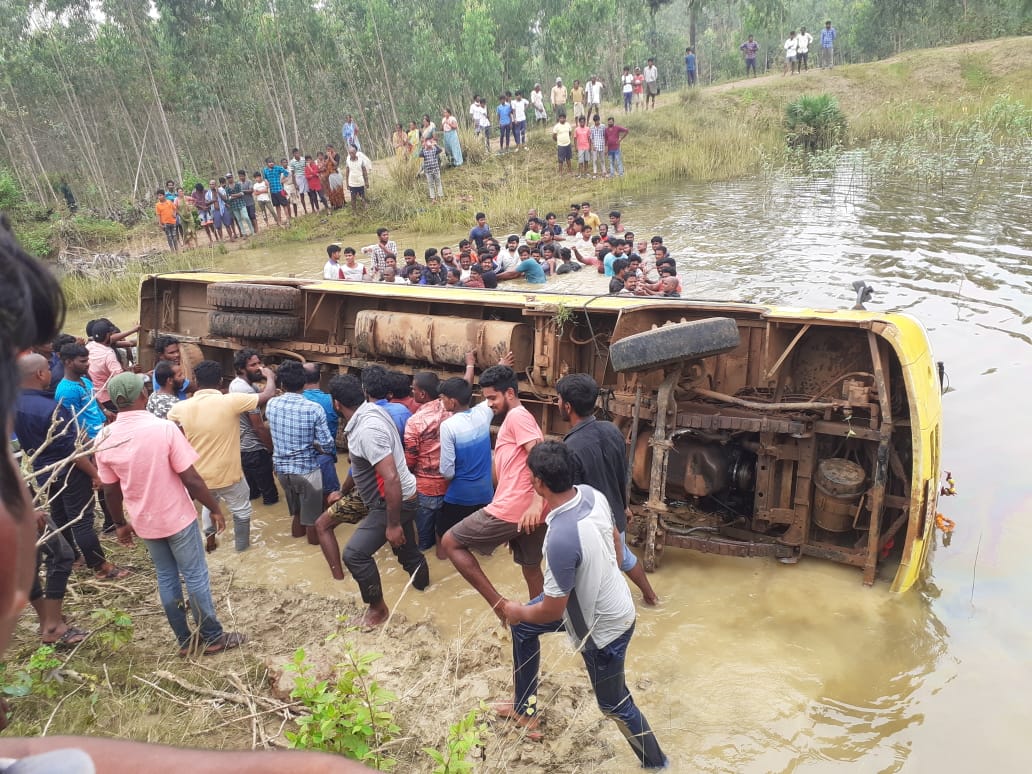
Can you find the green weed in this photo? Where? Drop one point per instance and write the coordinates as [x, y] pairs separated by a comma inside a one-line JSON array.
[[464, 737], [348, 715]]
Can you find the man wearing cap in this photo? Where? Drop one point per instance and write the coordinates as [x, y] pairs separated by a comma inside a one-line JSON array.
[[559, 97], [147, 465]]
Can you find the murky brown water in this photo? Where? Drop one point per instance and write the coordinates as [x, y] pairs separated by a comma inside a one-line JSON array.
[[753, 666]]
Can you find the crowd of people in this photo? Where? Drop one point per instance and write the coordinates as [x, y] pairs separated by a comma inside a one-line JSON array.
[[543, 248], [423, 475], [796, 51]]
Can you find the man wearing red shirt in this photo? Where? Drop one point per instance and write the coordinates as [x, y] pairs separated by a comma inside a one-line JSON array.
[[614, 135], [423, 455]]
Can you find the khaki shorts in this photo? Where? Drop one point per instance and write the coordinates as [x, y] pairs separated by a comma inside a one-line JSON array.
[[483, 533]]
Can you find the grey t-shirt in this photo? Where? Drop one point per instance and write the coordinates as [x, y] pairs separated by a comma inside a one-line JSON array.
[[70, 761], [372, 436], [249, 440], [581, 563]]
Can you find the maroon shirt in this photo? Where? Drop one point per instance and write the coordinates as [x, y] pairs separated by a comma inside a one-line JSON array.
[[613, 135]]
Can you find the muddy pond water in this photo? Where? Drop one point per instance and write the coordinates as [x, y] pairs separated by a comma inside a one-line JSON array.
[[751, 666]]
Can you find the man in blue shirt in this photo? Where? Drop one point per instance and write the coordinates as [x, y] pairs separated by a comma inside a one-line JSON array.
[[273, 174], [75, 390], [689, 65], [828, 36], [481, 232], [299, 434], [327, 457]]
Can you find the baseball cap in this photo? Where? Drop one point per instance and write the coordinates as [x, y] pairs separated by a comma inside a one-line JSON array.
[[558, 80], [125, 388]]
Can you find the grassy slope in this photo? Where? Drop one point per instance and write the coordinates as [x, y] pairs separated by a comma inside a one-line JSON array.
[[720, 132]]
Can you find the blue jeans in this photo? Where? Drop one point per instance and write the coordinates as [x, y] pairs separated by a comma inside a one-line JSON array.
[[606, 672], [330, 479], [615, 163], [183, 554], [426, 519]]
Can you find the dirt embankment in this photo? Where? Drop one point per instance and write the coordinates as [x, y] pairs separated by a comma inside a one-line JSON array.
[[240, 699]]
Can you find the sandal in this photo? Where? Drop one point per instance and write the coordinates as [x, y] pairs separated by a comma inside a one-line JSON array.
[[210, 543], [114, 572], [72, 636], [227, 641]]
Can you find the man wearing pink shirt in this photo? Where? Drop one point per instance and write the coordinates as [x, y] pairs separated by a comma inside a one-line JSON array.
[[582, 139], [516, 513], [147, 465], [104, 363]]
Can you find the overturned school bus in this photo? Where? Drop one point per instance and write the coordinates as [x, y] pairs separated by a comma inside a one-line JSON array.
[[751, 430]]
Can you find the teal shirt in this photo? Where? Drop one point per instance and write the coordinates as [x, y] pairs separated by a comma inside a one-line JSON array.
[[78, 397], [531, 271]]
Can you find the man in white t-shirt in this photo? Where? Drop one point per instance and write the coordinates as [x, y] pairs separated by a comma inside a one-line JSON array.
[[651, 84], [803, 41], [357, 166], [519, 120], [332, 269], [351, 269], [627, 88], [562, 133], [594, 95], [791, 46]]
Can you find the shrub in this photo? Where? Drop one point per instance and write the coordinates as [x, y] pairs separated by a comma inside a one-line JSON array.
[[10, 191], [815, 122]]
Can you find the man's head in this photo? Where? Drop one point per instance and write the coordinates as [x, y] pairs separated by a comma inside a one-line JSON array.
[[290, 376], [353, 151], [160, 194], [208, 375], [577, 396], [383, 235], [827, 24], [248, 364], [76, 359], [630, 282], [413, 273], [296, 153], [750, 38], [446, 255], [333, 252], [401, 385], [349, 256], [499, 386], [376, 382], [481, 218], [166, 373], [425, 387], [127, 391], [167, 348], [551, 468], [619, 267], [410, 257], [33, 372], [312, 375], [102, 330], [390, 273], [347, 394]]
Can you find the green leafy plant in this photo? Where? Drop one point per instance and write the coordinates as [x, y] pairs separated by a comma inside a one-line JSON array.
[[815, 122], [348, 714], [113, 628], [41, 675], [464, 737]]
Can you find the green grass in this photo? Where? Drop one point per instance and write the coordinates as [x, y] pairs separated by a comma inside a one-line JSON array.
[[975, 72], [122, 289]]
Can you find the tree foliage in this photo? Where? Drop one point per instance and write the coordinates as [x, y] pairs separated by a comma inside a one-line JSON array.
[[115, 96]]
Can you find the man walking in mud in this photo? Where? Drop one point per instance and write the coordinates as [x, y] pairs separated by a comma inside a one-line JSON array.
[[585, 596], [377, 456], [515, 513]]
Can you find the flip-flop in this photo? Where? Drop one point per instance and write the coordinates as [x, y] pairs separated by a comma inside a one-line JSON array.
[[210, 543], [72, 636], [115, 573], [227, 641]]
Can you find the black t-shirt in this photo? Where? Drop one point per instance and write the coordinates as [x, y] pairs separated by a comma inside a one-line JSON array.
[[601, 462], [490, 279], [615, 285]]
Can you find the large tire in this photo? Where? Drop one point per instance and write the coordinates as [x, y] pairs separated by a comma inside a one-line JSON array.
[[252, 297], [241, 325], [673, 343]]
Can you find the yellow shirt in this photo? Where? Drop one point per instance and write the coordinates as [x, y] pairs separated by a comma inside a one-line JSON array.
[[577, 95], [211, 421], [591, 219]]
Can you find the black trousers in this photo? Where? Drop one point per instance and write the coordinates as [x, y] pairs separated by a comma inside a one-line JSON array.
[[66, 505], [56, 556], [257, 465], [369, 537]]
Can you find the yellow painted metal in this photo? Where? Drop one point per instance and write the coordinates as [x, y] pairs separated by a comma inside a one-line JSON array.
[[905, 335]]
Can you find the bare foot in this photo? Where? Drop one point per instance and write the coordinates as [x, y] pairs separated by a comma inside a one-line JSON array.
[[372, 618], [531, 724]]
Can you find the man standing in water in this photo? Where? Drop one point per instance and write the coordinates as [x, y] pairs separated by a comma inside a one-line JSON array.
[[515, 513], [584, 596], [377, 457], [601, 463]]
